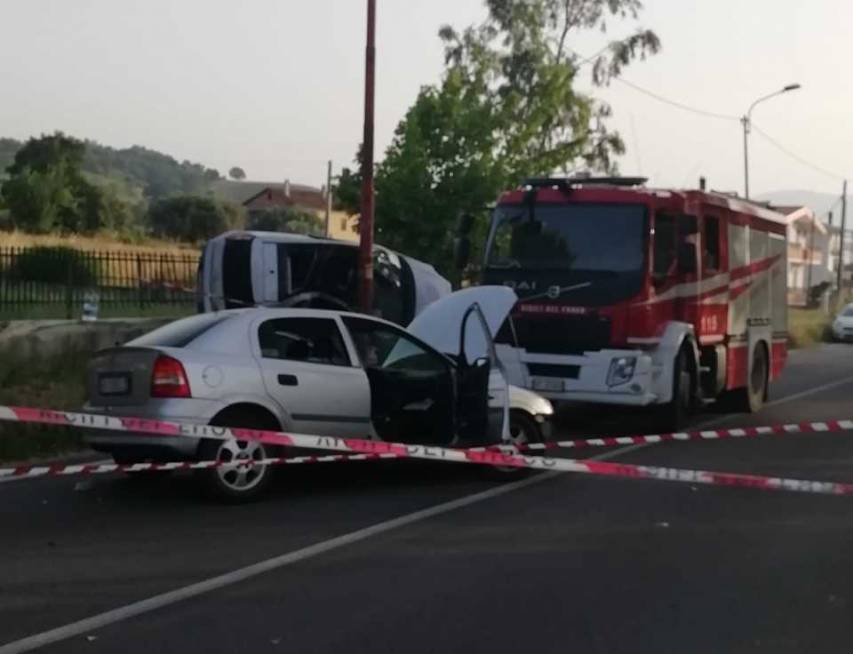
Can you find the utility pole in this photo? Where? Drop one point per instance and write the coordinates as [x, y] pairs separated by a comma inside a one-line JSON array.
[[328, 197], [745, 122], [811, 259], [365, 258], [841, 243]]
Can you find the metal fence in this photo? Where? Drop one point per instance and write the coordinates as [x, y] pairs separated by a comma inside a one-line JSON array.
[[56, 281]]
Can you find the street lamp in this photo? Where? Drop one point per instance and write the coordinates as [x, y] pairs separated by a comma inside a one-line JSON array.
[[746, 120]]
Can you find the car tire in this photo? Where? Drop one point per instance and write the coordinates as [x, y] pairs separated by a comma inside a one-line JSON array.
[[246, 481], [523, 429], [673, 415]]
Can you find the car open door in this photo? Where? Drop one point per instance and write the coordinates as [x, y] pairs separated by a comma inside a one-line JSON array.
[[462, 325]]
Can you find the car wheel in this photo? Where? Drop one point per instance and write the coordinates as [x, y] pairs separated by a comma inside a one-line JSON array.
[[523, 429], [240, 477]]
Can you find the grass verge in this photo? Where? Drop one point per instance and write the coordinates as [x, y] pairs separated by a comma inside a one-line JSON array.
[[807, 327], [57, 383]]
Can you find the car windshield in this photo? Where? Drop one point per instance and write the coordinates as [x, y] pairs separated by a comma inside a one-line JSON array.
[[591, 237], [848, 312]]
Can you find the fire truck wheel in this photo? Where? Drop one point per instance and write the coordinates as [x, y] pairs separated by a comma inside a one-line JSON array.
[[751, 398], [674, 415]]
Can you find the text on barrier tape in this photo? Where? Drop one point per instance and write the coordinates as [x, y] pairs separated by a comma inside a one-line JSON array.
[[427, 452]]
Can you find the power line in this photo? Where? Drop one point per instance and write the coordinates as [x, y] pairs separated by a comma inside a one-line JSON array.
[[794, 155], [584, 60], [718, 116], [679, 105]]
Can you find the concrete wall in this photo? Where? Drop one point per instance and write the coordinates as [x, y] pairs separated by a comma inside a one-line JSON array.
[[51, 338]]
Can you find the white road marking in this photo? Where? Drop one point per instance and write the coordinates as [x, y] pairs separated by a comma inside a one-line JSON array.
[[242, 574], [236, 576]]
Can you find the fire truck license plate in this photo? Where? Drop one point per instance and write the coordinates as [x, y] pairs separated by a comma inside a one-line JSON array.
[[548, 384]]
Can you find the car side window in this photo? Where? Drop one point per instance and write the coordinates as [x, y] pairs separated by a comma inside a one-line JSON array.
[[387, 348], [312, 340]]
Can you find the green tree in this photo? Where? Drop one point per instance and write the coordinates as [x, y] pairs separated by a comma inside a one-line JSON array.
[[506, 109], [285, 220], [45, 184], [237, 173], [192, 218]]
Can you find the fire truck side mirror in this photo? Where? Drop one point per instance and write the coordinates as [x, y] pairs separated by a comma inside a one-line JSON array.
[[687, 260]]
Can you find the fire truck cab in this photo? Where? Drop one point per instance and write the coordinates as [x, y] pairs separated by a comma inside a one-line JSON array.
[[638, 296]]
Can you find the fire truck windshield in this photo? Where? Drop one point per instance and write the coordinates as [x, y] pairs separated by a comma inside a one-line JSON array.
[[582, 237]]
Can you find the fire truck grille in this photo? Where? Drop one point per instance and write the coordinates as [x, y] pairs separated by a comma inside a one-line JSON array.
[[563, 335]]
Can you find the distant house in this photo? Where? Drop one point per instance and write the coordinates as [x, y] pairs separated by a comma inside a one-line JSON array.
[[834, 248], [260, 196], [808, 252]]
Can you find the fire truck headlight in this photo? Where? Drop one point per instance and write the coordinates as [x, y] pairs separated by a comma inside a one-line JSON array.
[[621, 370]]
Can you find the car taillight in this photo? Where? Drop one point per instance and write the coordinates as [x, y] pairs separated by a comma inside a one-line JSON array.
[[169, 379]]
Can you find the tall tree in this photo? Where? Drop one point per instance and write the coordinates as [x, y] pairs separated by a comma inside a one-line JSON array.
[[237, 173], [506, 108]]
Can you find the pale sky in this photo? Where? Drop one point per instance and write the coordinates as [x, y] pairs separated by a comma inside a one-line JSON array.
[[276, 86]]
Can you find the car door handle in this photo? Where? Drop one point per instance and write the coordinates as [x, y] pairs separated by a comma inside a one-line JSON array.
[[288, 380]]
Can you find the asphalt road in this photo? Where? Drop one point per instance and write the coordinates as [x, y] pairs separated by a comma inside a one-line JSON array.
[[552, 563]]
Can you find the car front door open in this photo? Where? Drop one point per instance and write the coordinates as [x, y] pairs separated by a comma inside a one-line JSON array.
[[411, 386]]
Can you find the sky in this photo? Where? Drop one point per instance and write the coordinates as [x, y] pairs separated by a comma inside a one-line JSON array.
[[276, 86]]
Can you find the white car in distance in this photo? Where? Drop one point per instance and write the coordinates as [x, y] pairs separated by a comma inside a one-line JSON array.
[[314, 371], [842, 326]]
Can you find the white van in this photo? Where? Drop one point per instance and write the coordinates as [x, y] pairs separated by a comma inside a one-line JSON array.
[[242, 269]]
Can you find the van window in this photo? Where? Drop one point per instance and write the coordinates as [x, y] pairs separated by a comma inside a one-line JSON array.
[[237, 274]]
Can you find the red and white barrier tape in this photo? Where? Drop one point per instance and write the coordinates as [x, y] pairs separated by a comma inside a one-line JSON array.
[[157, 428], [62, 470], [703, 434]]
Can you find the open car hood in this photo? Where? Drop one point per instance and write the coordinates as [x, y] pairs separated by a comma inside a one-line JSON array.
[[440, 324]]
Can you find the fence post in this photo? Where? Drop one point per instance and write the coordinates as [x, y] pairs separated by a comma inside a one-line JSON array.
[[139, 283], [69, 288]]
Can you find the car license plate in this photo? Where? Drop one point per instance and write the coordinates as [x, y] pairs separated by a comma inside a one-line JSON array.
[[548, 384], [117, 384]]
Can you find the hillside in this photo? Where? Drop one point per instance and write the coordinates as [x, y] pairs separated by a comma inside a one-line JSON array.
[[136, 172]]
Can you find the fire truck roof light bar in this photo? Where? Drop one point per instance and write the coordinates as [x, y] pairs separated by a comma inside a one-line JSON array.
[[566, 183]]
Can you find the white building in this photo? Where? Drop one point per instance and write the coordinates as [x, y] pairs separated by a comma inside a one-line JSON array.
[[808, 252]]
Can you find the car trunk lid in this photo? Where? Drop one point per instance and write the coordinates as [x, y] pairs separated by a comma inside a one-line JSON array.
[[120, 376]]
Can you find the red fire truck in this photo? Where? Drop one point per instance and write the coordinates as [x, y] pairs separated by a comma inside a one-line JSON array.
[[638, 296]]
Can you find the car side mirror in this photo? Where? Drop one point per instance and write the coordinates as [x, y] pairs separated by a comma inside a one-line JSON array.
[[687, 261], [465, 224], [480, 362]]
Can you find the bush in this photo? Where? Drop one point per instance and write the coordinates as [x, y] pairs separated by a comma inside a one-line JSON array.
[[192, 218], [285, 220], [808, 327], [54, 265]]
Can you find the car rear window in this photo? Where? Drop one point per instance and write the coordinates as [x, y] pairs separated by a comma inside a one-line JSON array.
[[181, 332]]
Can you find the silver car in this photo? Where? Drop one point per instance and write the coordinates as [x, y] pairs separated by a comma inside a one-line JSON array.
[[319, 372]]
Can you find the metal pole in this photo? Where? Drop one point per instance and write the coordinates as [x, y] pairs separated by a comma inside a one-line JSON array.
[[811, 260], [841, 242], [328, 197], [366, 220], [745, 121]]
